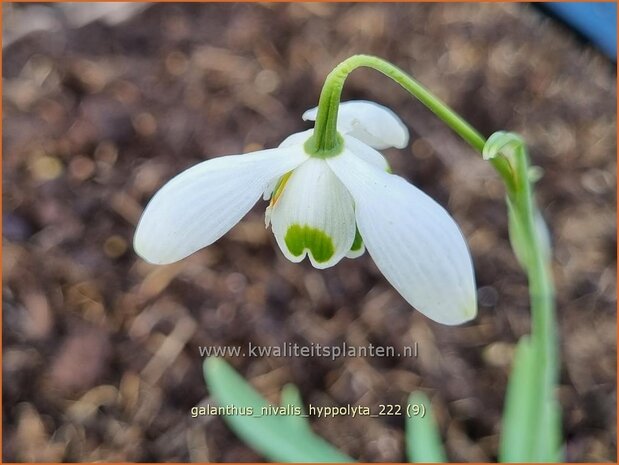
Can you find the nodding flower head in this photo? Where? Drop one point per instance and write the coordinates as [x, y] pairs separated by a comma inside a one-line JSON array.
[[325, 209]]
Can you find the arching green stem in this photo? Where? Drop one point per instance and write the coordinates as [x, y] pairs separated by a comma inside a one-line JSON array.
[[326, 141]]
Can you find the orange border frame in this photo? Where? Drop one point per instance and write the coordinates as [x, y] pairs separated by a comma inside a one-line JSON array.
[[2, 2]]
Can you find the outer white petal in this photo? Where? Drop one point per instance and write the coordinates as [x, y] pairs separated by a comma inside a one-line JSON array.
[[413, 241], [314, 216], [374, 124], [374, 158], [201, 204], [298, 138], [268, 192], [367, 153]]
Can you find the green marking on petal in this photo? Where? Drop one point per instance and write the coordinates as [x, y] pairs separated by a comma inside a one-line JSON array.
[[358, 242], [316, 152], [300, 238], [279, 188]]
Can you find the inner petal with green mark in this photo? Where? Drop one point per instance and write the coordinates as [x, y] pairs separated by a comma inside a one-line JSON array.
[[357, 243], [279, 188], [300, 239], [357, 248], [312, 214]]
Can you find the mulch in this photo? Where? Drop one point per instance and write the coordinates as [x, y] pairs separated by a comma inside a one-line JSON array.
[[101, 359]]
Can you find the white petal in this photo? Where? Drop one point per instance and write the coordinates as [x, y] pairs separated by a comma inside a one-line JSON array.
[[374, 158], [201, 204], [357, 248], [314, 216], [296, 139], [367, 153], [374, 124], [268, 192], [413, 241]]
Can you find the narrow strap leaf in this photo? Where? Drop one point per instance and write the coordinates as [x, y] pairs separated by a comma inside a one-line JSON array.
[[423, 441], [531, 420], [291, 397], [519, 425], [269, 434]]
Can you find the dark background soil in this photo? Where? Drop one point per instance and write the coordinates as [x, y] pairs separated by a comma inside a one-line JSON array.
[[101, 354]]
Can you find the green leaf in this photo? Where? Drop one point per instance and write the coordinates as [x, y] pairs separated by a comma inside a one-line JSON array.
[[531, 420], [423, 441], [279, 438], [517, 438], [291, 397]]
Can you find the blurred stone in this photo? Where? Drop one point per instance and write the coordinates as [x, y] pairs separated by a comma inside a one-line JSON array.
[[115, 246], [15, 227], [46, 168], [81, 168], [81, 359]]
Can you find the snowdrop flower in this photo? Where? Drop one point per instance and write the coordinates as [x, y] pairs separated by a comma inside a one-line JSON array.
[[325, 209]]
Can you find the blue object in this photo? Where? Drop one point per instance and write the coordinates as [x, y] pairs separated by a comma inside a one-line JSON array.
[[595, 21]]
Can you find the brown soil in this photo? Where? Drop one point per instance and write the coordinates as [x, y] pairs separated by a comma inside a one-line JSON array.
[[96, 118]]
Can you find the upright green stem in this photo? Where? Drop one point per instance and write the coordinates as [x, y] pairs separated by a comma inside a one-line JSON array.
[[528, 235], [541, 289], [527, 231]]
